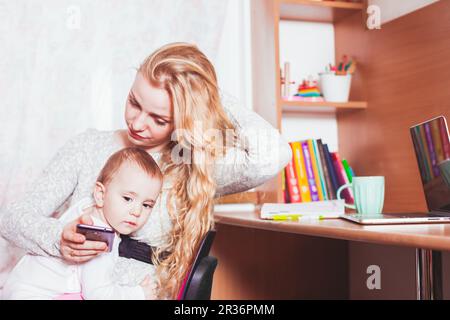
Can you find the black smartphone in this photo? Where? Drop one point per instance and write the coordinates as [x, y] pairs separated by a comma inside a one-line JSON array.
[[96, 233]]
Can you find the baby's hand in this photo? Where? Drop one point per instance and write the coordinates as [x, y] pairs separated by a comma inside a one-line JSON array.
[[149, 288]]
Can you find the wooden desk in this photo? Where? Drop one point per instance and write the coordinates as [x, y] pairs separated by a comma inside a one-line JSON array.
[[428, 239]]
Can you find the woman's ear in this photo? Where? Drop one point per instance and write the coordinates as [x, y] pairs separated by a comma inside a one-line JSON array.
[[99, 194]]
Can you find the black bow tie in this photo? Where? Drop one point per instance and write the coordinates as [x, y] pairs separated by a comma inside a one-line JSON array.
[[133, 249]]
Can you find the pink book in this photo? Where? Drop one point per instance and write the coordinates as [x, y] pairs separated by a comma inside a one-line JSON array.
[[342, 177]]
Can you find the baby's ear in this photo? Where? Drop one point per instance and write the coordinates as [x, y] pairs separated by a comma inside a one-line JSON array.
[[99, 194]]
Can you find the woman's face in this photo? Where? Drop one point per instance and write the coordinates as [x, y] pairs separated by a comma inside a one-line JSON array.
[[149, 115]]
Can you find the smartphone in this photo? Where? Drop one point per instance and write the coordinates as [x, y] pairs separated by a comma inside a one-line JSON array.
[[96, 233]]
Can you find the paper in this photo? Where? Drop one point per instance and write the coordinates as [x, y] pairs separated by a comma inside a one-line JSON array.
[[326, 209]]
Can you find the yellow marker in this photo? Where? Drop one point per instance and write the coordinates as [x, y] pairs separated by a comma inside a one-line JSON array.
[[295, 217]]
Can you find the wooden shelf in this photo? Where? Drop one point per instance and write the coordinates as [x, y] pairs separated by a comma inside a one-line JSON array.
[[317, 11], [303, 106]]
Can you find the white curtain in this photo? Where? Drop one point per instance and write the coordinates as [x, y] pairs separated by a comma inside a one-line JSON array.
[[67, 65]]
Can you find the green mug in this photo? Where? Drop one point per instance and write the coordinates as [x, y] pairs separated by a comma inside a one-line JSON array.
[[368, 193]]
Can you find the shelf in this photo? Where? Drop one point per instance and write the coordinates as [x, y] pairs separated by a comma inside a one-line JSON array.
[[317, 11], [303, 106]]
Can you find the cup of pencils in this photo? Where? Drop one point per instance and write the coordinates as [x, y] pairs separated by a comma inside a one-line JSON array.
[[336, 81]]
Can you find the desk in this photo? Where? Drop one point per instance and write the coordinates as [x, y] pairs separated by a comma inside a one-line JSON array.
[[428, 239]]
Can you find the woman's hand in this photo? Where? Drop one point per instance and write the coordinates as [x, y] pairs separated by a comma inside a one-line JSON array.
[[149, 288], [74, 247]]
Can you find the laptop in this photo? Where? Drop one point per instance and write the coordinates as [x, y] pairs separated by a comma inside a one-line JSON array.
[[432, 149]]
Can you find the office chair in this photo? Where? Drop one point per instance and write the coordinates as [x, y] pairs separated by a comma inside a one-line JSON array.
[[198, 283]]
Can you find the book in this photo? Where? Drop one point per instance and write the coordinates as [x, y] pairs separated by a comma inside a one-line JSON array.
[[320, 169], [292, 184], [331, 169], [347, 169], [325, 209], [342, 177], [310, 172], [283, 187], [315, 168], [330, 192], [300, 170]]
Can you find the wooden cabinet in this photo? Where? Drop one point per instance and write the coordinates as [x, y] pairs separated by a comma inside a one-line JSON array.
[[266, 17]]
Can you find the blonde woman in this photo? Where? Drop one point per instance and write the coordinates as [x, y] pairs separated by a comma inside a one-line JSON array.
[[205, 147]]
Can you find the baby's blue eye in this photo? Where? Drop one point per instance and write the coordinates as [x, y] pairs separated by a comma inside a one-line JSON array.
[[147, 206], [127, 199]]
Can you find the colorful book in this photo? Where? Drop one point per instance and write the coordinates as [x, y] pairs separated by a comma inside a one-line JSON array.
[[292, 184], [309, 172], [437, 143], [444, 138], [300, 170], [330, 192], [347, 169], [320, 169], [283, 187], [315, 168], [342, 177], [331, 169], [431, 149]]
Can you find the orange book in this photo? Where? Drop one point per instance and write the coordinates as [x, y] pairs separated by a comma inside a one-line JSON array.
[[315, 170], [300, 170]]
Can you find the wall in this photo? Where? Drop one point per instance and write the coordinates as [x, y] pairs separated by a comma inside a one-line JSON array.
[[309, 47], [403, 74]]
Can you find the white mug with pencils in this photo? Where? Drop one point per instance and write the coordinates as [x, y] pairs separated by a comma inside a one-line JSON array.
[[336, 80]]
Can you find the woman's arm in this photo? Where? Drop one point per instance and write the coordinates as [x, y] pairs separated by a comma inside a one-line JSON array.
[[26, 222], [260, 154]]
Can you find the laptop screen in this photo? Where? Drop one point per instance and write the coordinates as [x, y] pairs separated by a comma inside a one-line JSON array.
[[432, 147]]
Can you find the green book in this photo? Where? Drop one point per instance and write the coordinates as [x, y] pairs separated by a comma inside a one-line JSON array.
[[347, 169]]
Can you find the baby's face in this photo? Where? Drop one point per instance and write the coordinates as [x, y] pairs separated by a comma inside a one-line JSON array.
[[129, 198]]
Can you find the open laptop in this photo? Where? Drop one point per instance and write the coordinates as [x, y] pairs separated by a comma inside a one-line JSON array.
[[432, 148]]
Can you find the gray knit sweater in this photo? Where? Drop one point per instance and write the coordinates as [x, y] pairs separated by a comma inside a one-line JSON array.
[[29, 223]]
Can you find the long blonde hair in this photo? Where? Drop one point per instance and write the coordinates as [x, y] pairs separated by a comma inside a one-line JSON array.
[[190, 80]]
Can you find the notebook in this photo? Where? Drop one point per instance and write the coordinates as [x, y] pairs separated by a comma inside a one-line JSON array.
[[319, 209], [432, 149]]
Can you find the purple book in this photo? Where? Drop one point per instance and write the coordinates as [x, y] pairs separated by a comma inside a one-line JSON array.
[[430, 145], [310, 172]]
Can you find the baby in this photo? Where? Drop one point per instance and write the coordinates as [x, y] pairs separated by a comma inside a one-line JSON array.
[[124, 195]]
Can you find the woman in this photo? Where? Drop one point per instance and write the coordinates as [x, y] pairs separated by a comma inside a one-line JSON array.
[[204, 149]]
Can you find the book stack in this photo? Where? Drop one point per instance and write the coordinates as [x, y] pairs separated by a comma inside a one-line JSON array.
[[315, 173]]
